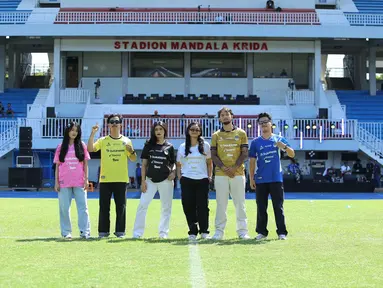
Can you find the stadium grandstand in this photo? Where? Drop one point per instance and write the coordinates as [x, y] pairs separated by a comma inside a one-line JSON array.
[[182, 61], [164, 58]]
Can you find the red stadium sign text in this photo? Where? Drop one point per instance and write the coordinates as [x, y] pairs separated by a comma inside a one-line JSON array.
[[191, 45]]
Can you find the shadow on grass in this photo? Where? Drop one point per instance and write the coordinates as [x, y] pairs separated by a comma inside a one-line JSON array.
[[55, 239], [174, 241], [186, 242]]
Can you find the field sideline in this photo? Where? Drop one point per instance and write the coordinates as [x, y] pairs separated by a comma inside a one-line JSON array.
[[332, 243]]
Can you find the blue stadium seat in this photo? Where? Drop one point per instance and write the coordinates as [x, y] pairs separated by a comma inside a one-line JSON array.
[[9, 5], [369, 6], [361, 106], [19, 99]]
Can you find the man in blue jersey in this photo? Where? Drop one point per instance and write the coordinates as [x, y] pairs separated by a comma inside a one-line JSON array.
[[267, 179]]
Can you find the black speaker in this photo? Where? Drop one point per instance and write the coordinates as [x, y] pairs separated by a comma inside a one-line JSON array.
[[25, 141], [51, 113], [25, 152], [323, 113], [25, 144], [25, 177], [25, 133]]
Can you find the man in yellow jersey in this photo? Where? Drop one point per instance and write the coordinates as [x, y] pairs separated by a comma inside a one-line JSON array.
[[115, 151], [229, 150]]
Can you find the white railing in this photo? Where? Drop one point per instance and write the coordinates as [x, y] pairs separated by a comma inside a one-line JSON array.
[[8, 136], [323, 129], [49, 127], [6, 128], [315, 129], [294, 97], [375, 128], [361, 19], [139, 128], [374, 144], [74, 95], [14, 17], [284, 18]]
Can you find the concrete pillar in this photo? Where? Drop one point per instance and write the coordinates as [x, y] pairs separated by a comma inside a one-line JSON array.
[[57, 69], [18, 70], [363, 70], [250, 72], [50, 60], [11, 67], [372, 67], [324, 66], [311, 72], [187, 72], [125, 73], [317, 73], [356, 71], [2, 67]]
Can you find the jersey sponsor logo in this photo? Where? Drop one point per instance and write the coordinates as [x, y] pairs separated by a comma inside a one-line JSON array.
[[229, 145], [236, 137]]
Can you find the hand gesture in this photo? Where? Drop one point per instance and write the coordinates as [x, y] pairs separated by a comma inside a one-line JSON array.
[[57, 187], [143, 186], [95, 128]]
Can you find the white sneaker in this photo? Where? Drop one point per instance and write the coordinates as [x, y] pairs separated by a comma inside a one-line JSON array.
[[282, 237], [68, 237], [260, 237], [205, 236], [244, 237], [192, 238], [135, 236], [218, 236], [84, 236], [163, 236]]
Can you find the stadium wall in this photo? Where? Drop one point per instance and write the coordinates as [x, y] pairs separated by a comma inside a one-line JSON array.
[[296, 4]]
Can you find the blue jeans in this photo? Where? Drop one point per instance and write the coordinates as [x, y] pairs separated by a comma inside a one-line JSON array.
[[65, 199]]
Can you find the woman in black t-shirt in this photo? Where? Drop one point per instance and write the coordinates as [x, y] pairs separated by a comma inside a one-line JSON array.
[[158, 173]]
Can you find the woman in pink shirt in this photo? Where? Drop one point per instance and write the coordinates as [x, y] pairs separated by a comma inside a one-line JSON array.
[[71, 176]]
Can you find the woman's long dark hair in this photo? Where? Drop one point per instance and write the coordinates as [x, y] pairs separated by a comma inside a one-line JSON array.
[[78, 148], [153, 138], [201, 141]]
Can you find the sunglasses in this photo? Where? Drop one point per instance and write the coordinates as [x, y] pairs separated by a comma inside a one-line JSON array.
[[115, 122], [263, 122], [195, 130]]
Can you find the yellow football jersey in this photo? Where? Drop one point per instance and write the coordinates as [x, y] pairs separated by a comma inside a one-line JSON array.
[[114, 158], [228, 145]]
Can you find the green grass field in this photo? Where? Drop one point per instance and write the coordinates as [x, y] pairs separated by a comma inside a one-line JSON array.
[[331, 244]]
